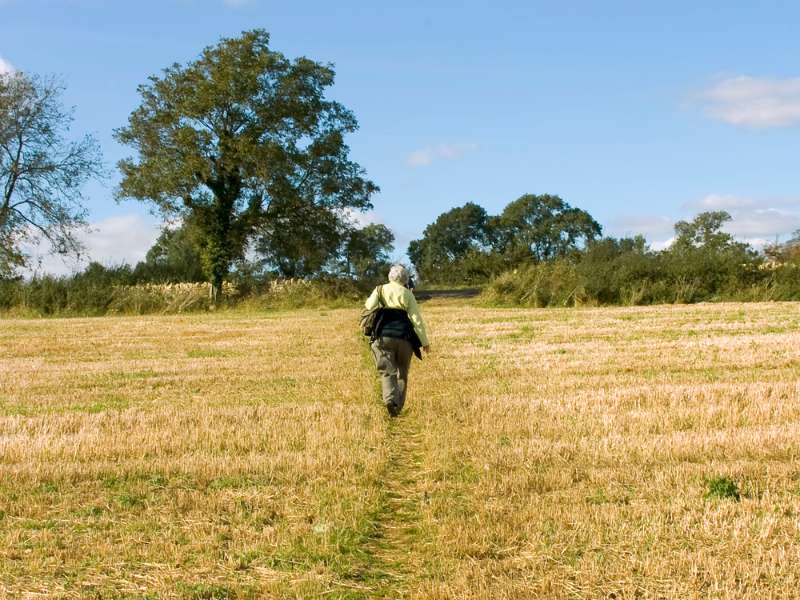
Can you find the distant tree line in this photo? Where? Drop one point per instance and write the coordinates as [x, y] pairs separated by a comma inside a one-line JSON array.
[[541, 252]]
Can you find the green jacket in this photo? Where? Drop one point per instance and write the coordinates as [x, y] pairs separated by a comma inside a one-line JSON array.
[[398, 296]]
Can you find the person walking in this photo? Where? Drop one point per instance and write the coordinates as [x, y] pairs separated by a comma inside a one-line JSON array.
[[400, 332]]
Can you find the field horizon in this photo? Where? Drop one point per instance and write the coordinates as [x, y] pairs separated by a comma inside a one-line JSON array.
[[614, 452]]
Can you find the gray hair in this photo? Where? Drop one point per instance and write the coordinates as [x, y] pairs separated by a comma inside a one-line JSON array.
[[399, 274]]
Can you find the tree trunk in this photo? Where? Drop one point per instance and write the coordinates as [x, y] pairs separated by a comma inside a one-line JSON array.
[[215, 294]]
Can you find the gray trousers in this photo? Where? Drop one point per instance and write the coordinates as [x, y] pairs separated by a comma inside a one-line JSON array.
[[393, 360]]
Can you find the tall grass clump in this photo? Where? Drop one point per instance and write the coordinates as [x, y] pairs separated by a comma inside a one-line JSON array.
[[303, 293], [540, 285], [116, 291]]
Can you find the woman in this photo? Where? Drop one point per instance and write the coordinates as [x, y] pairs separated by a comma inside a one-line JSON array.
[[400, 333]]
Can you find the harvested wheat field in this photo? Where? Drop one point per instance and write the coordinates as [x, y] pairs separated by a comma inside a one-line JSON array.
[[576, 453]]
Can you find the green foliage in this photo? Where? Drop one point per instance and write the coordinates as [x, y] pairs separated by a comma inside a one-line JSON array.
[[366, 253], [703, 264], [299, 238], [555, 283], [100, 291], [618, 271], [465, 245], [173, 258], [542, 228], [90, 292], [458, 236], [722, 488], [224, 137]]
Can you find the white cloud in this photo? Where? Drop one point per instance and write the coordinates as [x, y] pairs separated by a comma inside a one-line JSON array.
[[111, 241], [754, 101], [359, 218], [426, 156], [720, 202], [755, 221], [652, 227], [5, 66]]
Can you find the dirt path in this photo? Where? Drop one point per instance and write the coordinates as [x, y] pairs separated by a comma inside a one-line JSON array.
[[394, 546], [393, 549]]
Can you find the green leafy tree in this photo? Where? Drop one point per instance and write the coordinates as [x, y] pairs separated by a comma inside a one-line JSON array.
[[173, 258], [704, 260], [366, 252], [460, 232], [223, 137], [42, 171], [542, 228]]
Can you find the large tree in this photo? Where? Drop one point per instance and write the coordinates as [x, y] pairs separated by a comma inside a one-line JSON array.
[[706, 260], [455, 234], [366, 252], [222, 138], [541, 228], [42, 170]]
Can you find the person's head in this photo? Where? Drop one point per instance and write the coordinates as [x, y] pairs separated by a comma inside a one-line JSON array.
[[399, 274]]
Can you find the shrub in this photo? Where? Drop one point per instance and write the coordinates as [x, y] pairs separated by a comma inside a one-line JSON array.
[[723, 488]]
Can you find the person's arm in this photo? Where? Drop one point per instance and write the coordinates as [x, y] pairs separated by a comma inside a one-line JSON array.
[[373, 301], [414, 314]]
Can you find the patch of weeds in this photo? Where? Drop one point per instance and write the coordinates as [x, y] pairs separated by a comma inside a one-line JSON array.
[[116, 377], [458, 472], [37, 525], [775, 329], [91, 511], [245, 559], [131, 499], [722, 488], [108, 403], [157, 480], [232, 483], [598, 497], [203, 591], [14, 409], [283, 383], [48, 487], [524, 333]]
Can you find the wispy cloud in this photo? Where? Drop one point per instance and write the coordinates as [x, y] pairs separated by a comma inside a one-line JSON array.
[[757, 221], [5, 66], [758, 102], [111, 241], [359, 218], [428, 155], [754, 219]]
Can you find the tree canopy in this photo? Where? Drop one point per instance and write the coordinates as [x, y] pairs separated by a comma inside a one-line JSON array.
[[242, 128], [542, 228], [466, 244]]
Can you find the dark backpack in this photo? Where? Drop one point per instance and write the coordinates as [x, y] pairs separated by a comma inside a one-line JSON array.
[[370, 319]]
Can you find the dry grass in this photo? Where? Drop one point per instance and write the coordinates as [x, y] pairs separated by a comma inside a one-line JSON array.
[[544, 453]]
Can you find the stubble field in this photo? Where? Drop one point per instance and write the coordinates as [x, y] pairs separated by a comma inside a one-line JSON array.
[[576, 453]]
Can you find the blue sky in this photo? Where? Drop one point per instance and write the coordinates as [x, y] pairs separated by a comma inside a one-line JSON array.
[[640, 113]]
